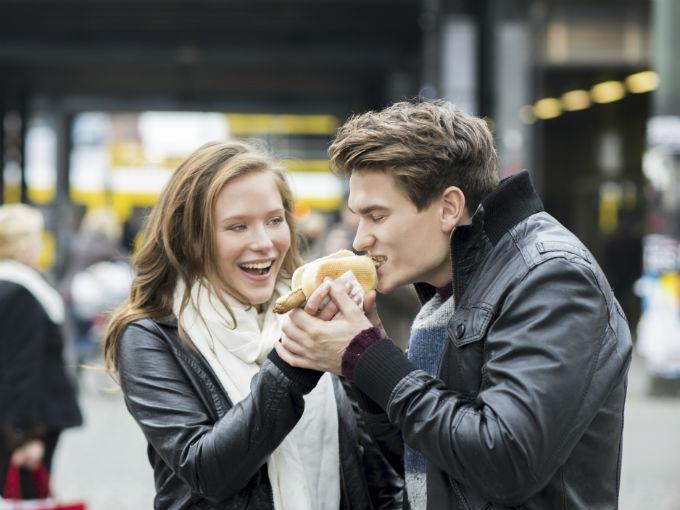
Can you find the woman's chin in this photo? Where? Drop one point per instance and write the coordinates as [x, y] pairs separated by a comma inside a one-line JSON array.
[[260, 296]]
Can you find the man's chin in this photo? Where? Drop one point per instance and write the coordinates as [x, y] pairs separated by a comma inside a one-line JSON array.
[[384, 288]]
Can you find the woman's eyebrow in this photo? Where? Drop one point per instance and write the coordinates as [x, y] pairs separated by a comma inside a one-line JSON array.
[[246, 216]]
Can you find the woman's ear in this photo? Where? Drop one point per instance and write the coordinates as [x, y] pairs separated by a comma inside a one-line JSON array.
[[453, 208]]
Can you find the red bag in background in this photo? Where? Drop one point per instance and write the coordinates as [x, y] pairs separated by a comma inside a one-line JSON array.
[[12, 493]]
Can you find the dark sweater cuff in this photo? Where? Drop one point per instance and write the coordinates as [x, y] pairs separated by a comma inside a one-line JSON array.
[[305, 379], [379, 369], [367, 404], [356, 348]]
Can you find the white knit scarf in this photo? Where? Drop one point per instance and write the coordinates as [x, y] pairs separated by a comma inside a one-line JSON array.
[[32, 280], [304, 468]]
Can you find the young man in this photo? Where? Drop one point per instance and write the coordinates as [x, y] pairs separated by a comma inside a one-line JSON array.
[[513, 389]]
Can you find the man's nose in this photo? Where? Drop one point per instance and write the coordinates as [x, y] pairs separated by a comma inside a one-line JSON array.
[[363, 240]]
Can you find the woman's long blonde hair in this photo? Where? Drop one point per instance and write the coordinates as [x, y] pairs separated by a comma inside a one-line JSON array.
[[177, 240]]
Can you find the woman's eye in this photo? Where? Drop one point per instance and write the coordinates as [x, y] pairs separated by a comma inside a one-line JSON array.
[[237, 228], [276, 221]]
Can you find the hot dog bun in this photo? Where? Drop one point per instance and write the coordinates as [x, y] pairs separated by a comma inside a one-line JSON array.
[[307, 278]]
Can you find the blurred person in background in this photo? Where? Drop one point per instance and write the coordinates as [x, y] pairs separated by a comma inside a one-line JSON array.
[[132, 226], [341, 234], [229, 424], [97, 279], [513, 390], [312, 229], [37, 399], [622, 261]]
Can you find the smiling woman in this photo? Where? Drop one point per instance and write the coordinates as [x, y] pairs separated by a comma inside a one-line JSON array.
[[197, 335], [252, 236]]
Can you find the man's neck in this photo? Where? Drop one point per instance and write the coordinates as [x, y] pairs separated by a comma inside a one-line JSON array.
[[446, 291]]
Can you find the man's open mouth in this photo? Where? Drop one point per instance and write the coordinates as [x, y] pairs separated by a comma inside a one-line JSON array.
[[378, 260]]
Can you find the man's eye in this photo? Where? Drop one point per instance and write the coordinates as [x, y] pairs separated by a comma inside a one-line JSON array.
[[377, 219]]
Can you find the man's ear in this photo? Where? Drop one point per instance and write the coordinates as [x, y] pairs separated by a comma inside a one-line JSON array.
[[453, 208]]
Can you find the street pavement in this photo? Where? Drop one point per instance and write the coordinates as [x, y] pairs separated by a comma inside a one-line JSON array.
[[650, 472], [104, 462]]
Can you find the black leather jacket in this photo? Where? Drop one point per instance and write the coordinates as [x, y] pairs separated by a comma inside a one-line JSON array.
[[36, 392], [527, 408], [207, 453]]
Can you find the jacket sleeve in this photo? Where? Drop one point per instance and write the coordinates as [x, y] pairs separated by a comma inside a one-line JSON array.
[[384, 479], [215, 458], [22, 358], [386, 436], [549, 370]]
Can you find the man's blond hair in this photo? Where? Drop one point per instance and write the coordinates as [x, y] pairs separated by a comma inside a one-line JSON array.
[[425, 145]]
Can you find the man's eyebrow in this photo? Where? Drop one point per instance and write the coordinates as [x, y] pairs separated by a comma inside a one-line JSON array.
[[368, 209]]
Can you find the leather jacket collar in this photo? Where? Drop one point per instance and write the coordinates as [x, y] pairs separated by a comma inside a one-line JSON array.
[[514, 200]]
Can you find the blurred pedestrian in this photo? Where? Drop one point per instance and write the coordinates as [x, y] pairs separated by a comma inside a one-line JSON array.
[[513, 390], [132, 226], [312, 228], [229, 424], [341, 234], [97, 279], [622, 261], [37, 399]]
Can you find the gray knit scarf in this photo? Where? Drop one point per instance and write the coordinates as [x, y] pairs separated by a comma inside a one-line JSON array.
[[426, 345]]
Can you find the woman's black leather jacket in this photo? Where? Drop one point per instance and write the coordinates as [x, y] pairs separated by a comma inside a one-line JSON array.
[[209, 454]]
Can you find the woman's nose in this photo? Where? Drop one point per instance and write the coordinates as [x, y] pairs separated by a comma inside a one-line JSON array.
[[261, 239]]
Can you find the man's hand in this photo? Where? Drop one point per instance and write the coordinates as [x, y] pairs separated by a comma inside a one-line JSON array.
[[315, 342], [371, 311], [320, 304], [29, 455]]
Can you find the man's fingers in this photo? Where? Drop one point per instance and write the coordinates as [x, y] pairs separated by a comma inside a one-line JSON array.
[[320, 305], [317, 298], [371, 310], [339, 296], [369, 302], [303, 320], [328, 311]]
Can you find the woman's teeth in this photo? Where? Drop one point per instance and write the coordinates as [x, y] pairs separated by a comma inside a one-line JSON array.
[[260, 268]]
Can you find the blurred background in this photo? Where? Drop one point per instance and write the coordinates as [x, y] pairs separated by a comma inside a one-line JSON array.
[[101, 99]]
